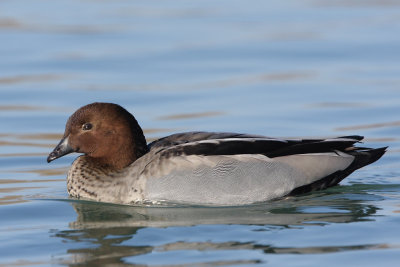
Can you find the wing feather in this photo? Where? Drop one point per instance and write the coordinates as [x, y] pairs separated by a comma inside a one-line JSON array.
[[208, 144]]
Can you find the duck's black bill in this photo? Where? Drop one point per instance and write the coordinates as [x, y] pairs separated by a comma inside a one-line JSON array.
[[63, 148]]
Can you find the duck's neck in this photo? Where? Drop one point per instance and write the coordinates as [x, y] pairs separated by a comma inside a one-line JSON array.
[[120, 157], [114, 163]]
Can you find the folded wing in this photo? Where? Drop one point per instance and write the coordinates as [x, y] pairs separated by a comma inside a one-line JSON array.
[[229, 168]]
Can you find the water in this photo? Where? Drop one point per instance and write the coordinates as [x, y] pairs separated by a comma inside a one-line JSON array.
[[288, 68]]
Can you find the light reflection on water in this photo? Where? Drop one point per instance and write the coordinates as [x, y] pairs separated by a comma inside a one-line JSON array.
[[290, 69]]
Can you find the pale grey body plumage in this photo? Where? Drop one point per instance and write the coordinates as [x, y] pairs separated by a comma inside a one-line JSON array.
[[221, 169]]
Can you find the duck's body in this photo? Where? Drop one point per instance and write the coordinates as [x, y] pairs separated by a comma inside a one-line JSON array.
[[207, 168]]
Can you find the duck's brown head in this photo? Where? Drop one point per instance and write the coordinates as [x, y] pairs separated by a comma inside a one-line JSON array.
[[104, 132]]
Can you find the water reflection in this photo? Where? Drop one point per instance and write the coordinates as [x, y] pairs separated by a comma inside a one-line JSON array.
[[8, 23], [29, 79], [191, 115], [103, 250], [212, 83], [316, 208], [369, 126], [112, 230]]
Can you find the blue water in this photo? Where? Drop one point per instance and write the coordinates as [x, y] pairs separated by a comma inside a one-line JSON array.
[[278, 68]]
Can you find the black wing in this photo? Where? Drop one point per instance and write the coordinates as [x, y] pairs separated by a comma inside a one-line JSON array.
[[210, 143]]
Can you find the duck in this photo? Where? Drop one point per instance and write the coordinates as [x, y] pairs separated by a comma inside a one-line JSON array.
[[118, 166]]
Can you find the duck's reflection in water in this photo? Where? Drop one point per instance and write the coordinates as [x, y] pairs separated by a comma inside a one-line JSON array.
[[101, 230]]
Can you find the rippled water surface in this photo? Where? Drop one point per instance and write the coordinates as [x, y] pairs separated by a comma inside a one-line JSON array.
[[277, 68]]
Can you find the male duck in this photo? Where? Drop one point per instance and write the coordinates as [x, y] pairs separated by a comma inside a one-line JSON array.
[[197, 167]]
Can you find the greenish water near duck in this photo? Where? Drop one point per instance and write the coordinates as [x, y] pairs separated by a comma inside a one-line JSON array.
[[301, 68]]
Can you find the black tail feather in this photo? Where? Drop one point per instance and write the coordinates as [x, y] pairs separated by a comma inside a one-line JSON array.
[[356, 137], [362, 158]]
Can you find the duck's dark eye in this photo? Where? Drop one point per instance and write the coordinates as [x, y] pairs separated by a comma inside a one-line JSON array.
[[87, 126]]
